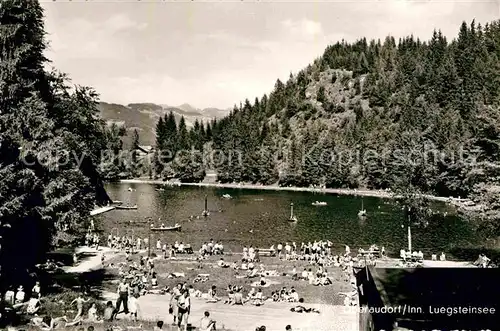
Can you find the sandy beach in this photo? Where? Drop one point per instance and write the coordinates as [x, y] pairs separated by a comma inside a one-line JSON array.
[[362, 192]]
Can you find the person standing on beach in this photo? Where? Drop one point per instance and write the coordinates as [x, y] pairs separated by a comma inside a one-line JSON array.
[[176, 293], [184, 304], [134, 307], [79, 307], [123, 289]]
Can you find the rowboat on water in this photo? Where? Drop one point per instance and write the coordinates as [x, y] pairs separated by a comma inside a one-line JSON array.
[[319, 203], [126, 207], [226, 196], [117, 202], [176, 227]]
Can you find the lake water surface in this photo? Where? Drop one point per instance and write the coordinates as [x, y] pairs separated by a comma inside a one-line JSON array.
[[259, 218]]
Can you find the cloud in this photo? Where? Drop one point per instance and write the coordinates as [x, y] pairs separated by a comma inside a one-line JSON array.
[[122, 22], [304, 28], [80, 39], [218, 54]]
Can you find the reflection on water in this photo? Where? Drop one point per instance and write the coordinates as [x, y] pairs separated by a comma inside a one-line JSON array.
[[253, 217]]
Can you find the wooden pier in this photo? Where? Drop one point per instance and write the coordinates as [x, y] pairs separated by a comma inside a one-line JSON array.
[[101, 210]]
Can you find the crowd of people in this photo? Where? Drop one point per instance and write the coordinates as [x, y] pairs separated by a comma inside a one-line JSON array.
[[131, 245], [138, 277]]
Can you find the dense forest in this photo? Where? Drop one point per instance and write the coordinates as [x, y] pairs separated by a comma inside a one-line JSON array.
[[182, 153], [50, 146], [375, 114]]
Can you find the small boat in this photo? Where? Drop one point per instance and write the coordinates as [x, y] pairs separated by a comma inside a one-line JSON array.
[[126, 207], [130, 189], [227, 196], [176, 227], [117, 202], [319, 203], [160, 189], [292, 216]]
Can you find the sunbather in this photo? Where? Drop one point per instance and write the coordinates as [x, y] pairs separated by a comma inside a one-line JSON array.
[[302, 309]]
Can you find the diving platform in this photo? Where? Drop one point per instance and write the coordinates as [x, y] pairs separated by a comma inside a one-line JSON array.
[[101, 210]]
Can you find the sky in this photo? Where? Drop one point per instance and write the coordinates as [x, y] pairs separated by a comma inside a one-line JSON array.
[[216, 54]]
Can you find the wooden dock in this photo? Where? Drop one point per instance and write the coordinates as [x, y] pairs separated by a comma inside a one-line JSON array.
[[101, 210]]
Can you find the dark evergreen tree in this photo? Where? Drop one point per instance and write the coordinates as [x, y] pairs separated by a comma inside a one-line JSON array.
[[51, 142]]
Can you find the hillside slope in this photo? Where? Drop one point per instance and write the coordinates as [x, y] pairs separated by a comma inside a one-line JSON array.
[[412, 114], [144, 117]]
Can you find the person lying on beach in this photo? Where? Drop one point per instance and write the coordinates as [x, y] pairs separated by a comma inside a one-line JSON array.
[[321, 281], [253, 273], [222, 264], [202, 278], [161, 291], [40, 322], [302, 309], [47, 323]]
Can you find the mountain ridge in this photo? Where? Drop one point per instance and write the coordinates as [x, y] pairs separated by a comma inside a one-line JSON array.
[[144, 116]]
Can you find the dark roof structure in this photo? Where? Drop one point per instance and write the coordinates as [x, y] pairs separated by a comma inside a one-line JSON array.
[[436, 297]]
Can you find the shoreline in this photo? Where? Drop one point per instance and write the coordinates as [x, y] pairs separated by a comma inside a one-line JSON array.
[[366, 193]]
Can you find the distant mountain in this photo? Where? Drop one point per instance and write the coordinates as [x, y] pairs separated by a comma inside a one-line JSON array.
[[144, 116], [206, 112]]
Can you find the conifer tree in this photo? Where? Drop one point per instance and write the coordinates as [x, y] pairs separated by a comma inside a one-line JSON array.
[[50, 143]]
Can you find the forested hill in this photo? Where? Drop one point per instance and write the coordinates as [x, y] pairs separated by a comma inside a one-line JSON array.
[[373, 113]]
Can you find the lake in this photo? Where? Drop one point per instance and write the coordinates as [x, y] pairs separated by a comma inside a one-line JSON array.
[[259, 218]]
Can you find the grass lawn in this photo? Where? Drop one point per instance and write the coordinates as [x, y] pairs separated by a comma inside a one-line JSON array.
[[222, 277]]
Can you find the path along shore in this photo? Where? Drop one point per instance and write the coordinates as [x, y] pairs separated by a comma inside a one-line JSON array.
[[363, 192]]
